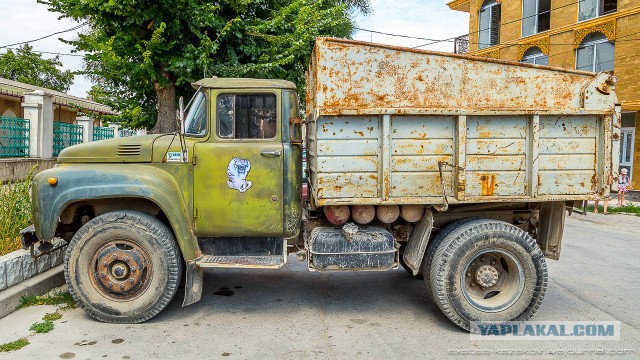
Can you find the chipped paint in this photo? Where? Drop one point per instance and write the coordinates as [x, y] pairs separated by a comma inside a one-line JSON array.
[[383, 117]]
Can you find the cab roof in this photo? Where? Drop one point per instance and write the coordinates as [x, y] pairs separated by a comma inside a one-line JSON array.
[[240, 83]]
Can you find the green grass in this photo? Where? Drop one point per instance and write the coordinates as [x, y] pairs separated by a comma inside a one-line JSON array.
[[49, 299], [14, 345], [15, 213], [42, 327], [52, 316], [629, 208]]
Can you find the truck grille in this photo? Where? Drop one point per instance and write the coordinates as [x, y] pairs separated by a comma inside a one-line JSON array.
[[128, 150]]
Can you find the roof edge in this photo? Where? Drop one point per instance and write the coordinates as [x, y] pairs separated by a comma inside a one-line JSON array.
[[460, 5]]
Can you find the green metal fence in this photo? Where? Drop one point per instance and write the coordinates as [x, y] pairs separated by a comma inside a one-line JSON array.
[[102, 133], [65, 135], [127, 132], [14, 137]]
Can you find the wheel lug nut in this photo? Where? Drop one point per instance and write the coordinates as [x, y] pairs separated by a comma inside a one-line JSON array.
[[468, 274], [473, 284], [105, 264], [114, 256], [482, 258], [126, 258], [133, 268], [130, 281], [103, 275], [493, 263], [109, 284], [121, 287]]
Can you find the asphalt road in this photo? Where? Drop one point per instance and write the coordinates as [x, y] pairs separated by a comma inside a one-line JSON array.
[[293, 314]]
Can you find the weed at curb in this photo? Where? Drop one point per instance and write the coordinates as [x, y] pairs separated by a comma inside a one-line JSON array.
[[15, 212], [42, 327], [14, 345], [52, 316], [49, 299]]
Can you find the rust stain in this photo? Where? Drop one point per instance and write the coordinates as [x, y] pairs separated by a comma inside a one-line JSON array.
[[462, 186], [488, 183], [359, 133]]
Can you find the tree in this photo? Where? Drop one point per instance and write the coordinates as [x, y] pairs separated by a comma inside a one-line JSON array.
[[143, 54], [29, 67]]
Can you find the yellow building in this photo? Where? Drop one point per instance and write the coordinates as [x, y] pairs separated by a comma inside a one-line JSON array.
[[592, 35]]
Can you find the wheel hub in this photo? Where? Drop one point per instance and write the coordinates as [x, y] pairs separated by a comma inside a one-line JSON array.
[[492, 280], [486, 276], [122, 269]]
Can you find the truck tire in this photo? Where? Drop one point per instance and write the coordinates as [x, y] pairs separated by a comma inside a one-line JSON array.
[[123, 267], [425, 267], [488, 270]]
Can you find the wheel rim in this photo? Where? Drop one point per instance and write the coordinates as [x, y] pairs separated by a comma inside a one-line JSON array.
[[492, 280], [121, 270]]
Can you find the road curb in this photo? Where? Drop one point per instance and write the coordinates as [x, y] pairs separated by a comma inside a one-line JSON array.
[[37, 285]]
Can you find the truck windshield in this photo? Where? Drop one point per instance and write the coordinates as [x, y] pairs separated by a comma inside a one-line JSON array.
[[195, 122]]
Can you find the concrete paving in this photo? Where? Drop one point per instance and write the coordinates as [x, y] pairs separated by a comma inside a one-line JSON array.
[[293, 314]]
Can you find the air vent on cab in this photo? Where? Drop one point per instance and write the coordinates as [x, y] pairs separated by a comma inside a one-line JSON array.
[[128, 150]]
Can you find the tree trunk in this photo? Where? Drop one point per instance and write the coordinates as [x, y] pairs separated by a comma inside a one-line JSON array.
[[166, 122]]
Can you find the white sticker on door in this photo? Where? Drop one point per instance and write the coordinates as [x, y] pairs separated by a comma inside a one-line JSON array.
[[237, 172]]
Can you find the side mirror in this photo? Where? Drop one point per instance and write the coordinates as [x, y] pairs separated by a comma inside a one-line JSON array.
[[181, 114]]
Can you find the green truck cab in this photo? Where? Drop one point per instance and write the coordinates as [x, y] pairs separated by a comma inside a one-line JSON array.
[[236, 173]]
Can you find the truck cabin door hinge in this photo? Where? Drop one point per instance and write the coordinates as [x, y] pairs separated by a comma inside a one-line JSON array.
[[193, 159], [196, 213]]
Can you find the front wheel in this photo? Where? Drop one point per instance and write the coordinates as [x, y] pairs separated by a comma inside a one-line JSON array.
[[488, 270], [123, 267]]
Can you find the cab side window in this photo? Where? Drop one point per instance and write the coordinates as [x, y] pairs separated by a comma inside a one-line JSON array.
[[246, 116]]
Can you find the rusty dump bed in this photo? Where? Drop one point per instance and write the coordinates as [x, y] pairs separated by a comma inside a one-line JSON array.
[[389, 125]]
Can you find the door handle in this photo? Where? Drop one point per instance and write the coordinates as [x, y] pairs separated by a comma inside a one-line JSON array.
[[271, 153]]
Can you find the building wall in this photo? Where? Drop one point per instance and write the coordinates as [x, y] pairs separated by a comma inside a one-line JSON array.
[[63, 114], [559, 43], [12, 105]]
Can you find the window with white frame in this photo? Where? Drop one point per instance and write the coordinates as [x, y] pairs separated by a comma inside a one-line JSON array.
[[535, 56], [489, 24], [626, 146], [590, 9], [595, 53], [536, 16]]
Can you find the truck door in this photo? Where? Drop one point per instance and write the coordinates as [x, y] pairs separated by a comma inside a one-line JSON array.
[[238, 189]]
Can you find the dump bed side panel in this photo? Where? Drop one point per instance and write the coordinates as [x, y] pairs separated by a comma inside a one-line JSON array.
[[397, 126], [351, 75], [408, 159]]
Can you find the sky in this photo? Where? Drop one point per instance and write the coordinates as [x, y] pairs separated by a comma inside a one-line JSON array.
[[420, 18]]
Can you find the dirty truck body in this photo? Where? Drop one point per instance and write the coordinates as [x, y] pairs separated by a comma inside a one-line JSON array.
[[456, 168]]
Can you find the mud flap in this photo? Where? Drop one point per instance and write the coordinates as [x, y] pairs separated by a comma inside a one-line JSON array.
[[193, 283], [417, 244]]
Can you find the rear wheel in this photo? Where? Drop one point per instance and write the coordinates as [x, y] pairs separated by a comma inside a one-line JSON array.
[[425, 267], [123, 267], [488, 270]]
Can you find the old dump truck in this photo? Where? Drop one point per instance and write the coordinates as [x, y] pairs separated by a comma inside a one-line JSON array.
[[461, 169]]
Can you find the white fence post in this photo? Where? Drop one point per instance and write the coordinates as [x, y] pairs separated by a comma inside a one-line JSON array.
[[87, 128], [116, 130], [38, 109]]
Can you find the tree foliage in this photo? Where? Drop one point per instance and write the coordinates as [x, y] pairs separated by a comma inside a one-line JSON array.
[[29, 67], [143, 54]]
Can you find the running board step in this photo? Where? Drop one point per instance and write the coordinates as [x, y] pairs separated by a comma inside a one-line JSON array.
[[252, 262]]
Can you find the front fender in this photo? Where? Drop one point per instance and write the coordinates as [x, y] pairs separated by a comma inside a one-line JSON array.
[[85, 182]]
